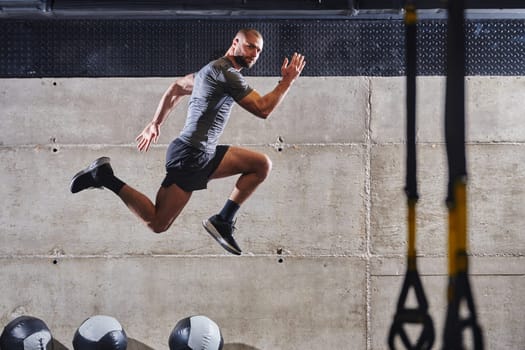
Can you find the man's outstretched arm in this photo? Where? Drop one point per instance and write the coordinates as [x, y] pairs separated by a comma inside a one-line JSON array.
[[263, 106], [171, 98]]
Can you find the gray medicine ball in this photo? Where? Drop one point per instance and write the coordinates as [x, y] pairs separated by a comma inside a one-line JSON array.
[[100, 333], [196, 333], [26, 333]]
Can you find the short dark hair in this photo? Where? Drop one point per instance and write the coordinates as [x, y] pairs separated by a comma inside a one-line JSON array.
[[254, 31]]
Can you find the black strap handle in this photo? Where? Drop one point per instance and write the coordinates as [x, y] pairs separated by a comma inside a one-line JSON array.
[[416, 316]]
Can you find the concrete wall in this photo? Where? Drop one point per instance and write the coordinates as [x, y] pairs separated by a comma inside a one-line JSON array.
[[324, 237]]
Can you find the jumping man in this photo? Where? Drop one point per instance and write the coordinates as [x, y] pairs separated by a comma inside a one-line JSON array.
[[195, 157]]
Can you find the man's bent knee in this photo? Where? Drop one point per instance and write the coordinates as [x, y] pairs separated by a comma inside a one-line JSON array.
[[158, 227], [266, 167], [170, 202]]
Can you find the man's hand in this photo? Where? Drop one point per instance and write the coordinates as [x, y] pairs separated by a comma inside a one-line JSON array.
[[150, 134], [292, 70], [263, 106], [171, 98]]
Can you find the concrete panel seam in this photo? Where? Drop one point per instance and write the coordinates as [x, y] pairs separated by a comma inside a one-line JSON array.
[[470, 254], [180, 256], [165, 145], [368, 209], [445, 274]]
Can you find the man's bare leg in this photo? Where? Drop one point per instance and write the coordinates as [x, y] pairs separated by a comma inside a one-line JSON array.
[[254, 167], [159, 217]]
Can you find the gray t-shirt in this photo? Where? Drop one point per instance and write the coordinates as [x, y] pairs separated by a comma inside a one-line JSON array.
[[216, 87]]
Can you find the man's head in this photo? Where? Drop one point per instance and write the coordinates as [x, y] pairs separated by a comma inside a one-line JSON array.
[[246, 47]]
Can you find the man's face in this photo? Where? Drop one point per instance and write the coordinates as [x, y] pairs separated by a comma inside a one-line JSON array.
[[248, 50]]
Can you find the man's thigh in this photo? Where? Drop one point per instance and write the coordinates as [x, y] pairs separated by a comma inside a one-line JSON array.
[[169, 203], [239, 160]]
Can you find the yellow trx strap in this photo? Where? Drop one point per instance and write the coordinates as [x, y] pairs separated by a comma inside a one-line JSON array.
[[404, 315], [459, 292]]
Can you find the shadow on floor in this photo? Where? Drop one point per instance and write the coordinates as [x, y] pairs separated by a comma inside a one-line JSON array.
[[132, 345], [136, 345], [237, 346], [58, 345]]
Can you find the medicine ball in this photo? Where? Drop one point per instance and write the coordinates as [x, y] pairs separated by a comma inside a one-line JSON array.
[[26, 333], [196, 333], [100, 333]]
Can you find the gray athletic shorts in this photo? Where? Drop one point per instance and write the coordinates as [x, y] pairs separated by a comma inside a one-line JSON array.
[[190, 168]]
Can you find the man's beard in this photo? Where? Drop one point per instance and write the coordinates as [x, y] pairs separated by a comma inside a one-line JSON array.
[[241, 61]]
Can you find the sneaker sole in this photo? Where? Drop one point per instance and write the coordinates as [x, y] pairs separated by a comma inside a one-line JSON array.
[[98, 162], [217, 236]]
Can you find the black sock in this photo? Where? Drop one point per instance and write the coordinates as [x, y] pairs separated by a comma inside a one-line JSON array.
[[112, 183], [104, 176], [229, 210]]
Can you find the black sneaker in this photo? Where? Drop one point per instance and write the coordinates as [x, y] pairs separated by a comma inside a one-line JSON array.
[[222, 231], [89, 177]]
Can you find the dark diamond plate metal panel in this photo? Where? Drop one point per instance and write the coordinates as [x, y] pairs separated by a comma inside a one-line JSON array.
[[496, 46], [431, 44], [333, 47]]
